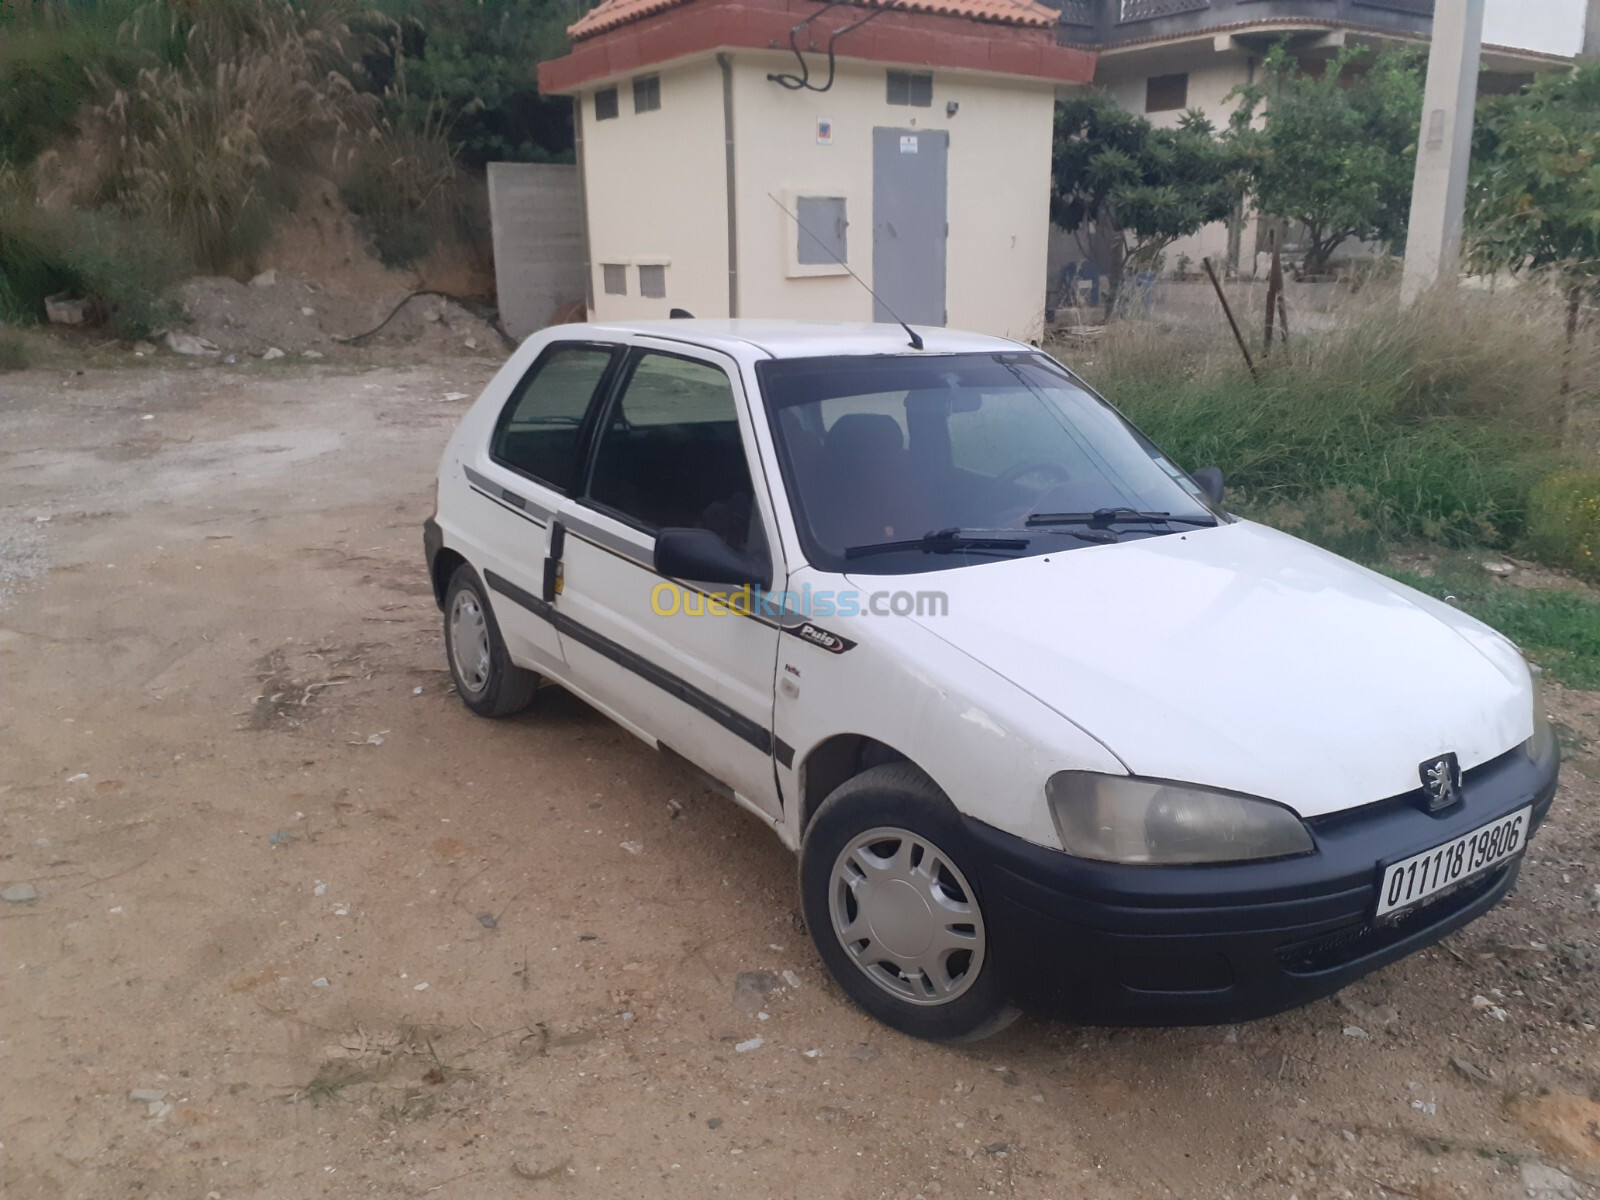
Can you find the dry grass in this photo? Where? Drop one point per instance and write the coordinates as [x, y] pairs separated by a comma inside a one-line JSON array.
[[406, 188], [211, 144]]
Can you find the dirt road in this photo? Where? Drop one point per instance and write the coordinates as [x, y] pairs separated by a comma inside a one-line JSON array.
[[366, 944]]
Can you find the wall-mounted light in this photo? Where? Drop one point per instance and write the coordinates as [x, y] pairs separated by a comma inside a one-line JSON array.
[[952, 107]]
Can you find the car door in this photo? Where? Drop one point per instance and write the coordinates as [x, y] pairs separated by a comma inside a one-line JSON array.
[[531, 463], [673, 448]]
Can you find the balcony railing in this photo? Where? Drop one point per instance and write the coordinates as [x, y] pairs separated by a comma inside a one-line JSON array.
[[1149, 10], [1420, 8], [1107, 22]]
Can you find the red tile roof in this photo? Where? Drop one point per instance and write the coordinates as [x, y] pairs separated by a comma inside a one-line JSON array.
[[612, 14], [659, 31]]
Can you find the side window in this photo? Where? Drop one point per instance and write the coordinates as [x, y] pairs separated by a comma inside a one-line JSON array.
[[538, 430], [670, 455]]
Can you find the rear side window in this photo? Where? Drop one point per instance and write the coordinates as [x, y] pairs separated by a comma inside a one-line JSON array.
[[671, 455], [539, 427]]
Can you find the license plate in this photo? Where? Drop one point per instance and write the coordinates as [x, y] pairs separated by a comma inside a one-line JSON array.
[[1414, 879]]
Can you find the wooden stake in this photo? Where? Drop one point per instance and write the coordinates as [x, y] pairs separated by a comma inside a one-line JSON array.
[[1232, 324]]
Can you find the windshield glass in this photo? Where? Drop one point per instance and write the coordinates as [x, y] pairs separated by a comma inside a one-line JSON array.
[[968, 457]]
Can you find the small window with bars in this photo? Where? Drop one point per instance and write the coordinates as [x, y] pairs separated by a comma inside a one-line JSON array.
[[1164, 93], [913, 88], [653, 281], [646, 93], [614, 278]]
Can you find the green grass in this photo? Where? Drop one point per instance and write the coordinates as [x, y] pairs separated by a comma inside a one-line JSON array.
[[1435, 423], [1559, 630]]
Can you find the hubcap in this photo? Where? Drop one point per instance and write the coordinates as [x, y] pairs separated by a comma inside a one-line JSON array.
[[907, 917], [469, 642]]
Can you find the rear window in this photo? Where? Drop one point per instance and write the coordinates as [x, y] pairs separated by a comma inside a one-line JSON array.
[[539, 428]]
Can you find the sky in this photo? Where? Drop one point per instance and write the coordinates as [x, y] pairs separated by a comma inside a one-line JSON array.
[[1550, 26]]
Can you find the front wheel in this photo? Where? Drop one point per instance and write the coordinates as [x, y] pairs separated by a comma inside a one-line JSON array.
[[891, 908], [489, 683]]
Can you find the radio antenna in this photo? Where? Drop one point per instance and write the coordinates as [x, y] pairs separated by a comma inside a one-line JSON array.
[[916, 338]]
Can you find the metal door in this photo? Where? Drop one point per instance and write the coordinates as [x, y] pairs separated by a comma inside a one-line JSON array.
[[909, 224]]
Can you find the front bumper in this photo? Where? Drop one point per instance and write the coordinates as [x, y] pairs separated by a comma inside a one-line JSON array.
[[1121, 945]]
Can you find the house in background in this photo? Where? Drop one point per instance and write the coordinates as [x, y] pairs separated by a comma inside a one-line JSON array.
[[734, 152], [1161, 57]]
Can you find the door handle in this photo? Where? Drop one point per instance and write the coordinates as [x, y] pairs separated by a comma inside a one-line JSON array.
[[552, 561]]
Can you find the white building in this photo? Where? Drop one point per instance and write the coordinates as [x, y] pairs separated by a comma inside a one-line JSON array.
[[726, 174], [1162, 57]]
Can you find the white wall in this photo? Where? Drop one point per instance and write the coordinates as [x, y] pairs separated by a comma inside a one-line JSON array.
[[657, 185], [656, 193], [1547, 26], [998, 198]]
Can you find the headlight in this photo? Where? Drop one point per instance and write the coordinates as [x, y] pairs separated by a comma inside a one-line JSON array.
[[1543, 739], [1122, 819]]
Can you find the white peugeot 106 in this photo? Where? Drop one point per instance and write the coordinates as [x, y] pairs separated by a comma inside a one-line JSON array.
[[1046, 725]]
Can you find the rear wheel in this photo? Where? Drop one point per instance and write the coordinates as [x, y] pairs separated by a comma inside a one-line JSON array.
[[489, 683], [891, 907]]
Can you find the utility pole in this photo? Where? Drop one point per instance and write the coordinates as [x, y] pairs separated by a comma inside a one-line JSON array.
[[1444, 148]]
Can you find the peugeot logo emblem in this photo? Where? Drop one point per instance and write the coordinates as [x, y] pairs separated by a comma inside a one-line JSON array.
[[1441, 782]]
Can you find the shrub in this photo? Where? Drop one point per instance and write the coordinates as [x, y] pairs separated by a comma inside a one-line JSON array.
[[47, 54], [1564, 521], [406, 190], [122, 265]]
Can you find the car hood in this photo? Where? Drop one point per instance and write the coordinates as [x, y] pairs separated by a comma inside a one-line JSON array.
[[1241, 658]]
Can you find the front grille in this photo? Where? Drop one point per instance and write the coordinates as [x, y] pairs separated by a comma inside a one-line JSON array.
[[1416, 798], [1358, 941]]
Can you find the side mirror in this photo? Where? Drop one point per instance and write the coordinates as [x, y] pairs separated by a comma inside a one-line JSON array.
[[1210, 481], [703, 557]]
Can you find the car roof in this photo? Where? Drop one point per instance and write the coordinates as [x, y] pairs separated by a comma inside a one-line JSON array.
[[799, 339]]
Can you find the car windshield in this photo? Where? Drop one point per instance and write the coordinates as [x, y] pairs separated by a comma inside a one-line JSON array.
[[906, 463]]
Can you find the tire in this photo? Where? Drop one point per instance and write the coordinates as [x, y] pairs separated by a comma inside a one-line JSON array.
[[486, 679], [886, 857]]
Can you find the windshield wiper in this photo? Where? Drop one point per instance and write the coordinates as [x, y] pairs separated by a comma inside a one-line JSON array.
[[941, 541], [1115, 516]]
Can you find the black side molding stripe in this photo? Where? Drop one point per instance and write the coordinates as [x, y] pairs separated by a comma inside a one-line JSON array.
[[512, 592], [738, 724], [532, 520], [505, 495], [783, 752]]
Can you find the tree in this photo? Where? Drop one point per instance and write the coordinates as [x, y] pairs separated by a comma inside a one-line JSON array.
[[1128, 190], [1334, 151], [1534, 204], [475, 66]]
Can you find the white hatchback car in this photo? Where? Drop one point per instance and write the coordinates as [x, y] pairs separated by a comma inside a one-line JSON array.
[[1047, 726]]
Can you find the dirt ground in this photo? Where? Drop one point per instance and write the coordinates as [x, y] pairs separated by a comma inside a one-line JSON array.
[[365, 944]]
